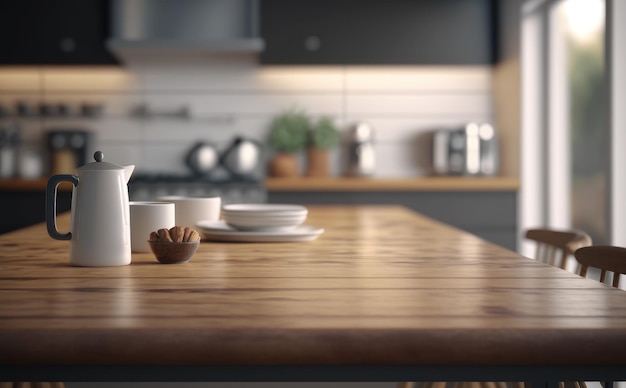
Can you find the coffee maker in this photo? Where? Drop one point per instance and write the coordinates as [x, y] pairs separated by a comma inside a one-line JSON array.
[[361, 159], [67, 149], [469, 150]]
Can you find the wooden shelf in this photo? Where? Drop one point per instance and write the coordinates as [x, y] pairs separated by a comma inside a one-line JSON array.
[[393, 184]]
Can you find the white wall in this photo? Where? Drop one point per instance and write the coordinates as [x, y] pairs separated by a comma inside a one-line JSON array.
[[239, 97]]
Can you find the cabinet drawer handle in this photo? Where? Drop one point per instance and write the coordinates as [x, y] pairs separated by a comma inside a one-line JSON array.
[[67, 45], [312, 43]]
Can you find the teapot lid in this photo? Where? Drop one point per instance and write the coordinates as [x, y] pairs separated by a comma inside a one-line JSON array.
[[99, 165]]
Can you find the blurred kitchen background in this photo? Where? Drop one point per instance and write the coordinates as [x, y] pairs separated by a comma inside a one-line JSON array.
[[183, 72], [173, 86]]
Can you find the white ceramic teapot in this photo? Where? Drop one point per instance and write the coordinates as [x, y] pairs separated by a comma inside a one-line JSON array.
[[100, 213]]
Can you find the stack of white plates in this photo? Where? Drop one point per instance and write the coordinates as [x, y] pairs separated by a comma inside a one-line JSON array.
[[264, 217], [260, 223]]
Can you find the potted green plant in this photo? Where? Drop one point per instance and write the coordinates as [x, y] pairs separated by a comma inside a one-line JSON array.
[[288, 136], [323, 136]]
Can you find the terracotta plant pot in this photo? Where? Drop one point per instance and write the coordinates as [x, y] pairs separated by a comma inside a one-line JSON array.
[[317, 162], [284, 165]]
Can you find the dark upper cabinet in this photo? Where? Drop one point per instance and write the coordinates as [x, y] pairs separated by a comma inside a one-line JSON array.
[[20, 39], [429, 32], [54, 32], [75, 31]]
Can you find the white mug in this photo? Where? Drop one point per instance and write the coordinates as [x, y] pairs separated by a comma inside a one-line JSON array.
[[146, 217], [190, 210]]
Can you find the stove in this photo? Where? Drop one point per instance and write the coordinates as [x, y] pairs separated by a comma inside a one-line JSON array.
[[147, 187]]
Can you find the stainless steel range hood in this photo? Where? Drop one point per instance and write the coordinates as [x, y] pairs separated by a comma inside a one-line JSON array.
[[175, 30]]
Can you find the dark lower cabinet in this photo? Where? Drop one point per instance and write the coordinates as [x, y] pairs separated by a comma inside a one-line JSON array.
[[55, 32], [19, 209], [429, 32], [489, 215]]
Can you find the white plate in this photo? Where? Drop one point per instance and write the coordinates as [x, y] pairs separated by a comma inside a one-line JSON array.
[[263, 209], [263, 222], [262, 226], [263, 217], [219, 231]]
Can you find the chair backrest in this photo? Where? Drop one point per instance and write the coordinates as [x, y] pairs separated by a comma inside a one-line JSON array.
[[604, 257], [555, 246]]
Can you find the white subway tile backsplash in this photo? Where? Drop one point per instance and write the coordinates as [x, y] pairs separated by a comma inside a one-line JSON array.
[[419, 105], [418, 78], [117, 129], [401, 159], [195, 66], [257, 128], [268, 104], [237, 97], [186, 131], [206, 130], [121, 153], [248, 79], [164, 157], [308, 79]]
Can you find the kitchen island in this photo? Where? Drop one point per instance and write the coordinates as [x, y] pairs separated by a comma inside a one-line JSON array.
[[385, 294], [484, 206]]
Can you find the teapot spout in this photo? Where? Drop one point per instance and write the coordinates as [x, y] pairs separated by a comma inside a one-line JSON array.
[[128, 171]]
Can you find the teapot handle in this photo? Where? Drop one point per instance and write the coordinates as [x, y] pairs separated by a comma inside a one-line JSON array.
[[51, 204]]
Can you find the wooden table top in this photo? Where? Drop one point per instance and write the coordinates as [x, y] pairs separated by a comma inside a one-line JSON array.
[[381, 286]]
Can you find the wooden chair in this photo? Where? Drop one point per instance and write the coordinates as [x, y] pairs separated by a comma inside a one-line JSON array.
[[605, 258], [477, 384], [554, 247]]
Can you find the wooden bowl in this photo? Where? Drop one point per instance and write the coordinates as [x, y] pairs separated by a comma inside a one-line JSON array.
[[173, 252]]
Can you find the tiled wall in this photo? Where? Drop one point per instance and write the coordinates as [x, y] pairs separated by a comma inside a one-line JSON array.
[[239, 97]]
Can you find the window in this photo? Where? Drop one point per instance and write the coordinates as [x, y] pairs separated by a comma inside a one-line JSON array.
[[566, 138]]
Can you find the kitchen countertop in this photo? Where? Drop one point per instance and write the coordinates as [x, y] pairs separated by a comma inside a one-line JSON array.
[[447, 183], [384, 294], [337, 184]]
